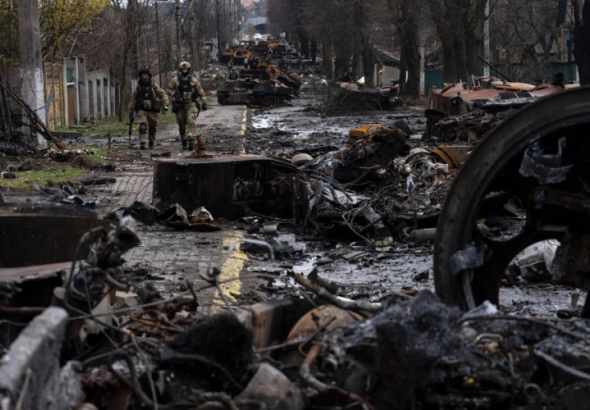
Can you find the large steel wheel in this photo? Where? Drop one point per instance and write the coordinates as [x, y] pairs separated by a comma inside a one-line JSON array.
[[468, 266]]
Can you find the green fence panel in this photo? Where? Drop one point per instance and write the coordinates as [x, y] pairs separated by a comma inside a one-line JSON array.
[[433, 78], [530, 72]]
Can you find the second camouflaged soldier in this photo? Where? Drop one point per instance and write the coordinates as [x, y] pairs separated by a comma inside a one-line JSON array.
[[188, 98], [147, 100]]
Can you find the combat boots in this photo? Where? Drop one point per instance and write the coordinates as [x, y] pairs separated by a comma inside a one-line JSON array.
[[185, 145], [151, 145], [201, 147], [142, 145]]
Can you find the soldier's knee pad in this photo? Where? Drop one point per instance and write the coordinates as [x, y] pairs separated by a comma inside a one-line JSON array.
[[152, 130], [143, 128], [182, 129]]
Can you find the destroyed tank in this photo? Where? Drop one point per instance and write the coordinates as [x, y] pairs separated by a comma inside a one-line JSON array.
[[537, 161], [262, 84], [263, 69], [242, 57], [268, 93], [227, 56]]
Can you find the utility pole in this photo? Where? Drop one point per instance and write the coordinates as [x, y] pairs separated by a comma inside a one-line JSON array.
[[218, 31], [178, 52], [193, 40], [158, 39], [486, 39], [30, 62]]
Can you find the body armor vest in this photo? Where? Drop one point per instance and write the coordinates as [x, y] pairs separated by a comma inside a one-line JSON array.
[[185, 87], [146, 98]]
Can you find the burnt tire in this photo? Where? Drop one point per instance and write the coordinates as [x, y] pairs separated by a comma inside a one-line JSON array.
[[459, 214]]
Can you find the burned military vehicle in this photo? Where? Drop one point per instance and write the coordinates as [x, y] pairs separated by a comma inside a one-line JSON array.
[[261, 84]]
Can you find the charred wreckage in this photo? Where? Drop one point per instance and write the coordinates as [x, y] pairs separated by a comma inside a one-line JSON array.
[[81, 331]]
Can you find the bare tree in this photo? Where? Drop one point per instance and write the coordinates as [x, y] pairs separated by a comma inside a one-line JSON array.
[[581, 11], [460, 27]]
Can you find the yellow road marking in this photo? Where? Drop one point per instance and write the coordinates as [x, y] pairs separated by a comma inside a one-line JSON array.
[[231, 270]]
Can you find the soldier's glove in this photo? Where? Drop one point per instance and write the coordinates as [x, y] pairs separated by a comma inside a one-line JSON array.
[[131, 116], [204, 106], [165, 108]]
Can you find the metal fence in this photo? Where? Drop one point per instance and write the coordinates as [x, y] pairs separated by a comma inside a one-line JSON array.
[[55, 89]]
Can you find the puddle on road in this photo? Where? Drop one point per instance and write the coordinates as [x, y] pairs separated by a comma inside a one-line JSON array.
[[261, 123]]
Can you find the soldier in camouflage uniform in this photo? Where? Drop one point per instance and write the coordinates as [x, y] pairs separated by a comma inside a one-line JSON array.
[[188, 99], [147, 101]]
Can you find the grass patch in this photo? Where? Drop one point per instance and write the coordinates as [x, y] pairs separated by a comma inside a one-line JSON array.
[[116, 128], [168, 117], [24, 180]]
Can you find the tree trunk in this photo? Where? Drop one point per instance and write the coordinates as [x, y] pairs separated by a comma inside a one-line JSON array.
[[219, 41], [133, 56], [314, 50], [403, 67], [582, 40], [410, 49], [412, 87], [304, 42], [450, 25], [355, 66], [368, 65], [123, 82], [473, 14], [450, 62], [460, 58], [328, 64], [341, 64]]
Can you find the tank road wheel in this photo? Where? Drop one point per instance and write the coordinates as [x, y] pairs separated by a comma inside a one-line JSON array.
[[538, 160]]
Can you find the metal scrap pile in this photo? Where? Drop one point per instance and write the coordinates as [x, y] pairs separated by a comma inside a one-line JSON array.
[[373, 189], [460, 114], [469, 128], [351, 97], [260, 83], [109, 342]]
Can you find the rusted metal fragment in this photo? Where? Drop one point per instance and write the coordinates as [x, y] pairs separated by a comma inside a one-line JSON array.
[[42, 234], [272, 320], [456, 99], [227, 186], [29, 273], [449, 155], [377, 98]]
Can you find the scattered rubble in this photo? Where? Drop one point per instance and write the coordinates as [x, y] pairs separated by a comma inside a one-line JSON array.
[[81, 328]]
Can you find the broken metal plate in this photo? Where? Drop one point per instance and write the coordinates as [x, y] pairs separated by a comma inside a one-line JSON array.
[[40, 233], [224, 185], [24, 274]]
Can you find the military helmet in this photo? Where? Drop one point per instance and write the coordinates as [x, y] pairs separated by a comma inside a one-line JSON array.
[[184, 65], [145, 71]]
